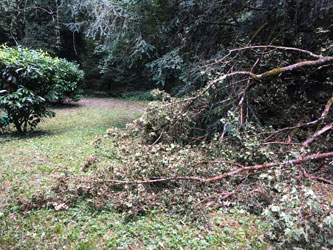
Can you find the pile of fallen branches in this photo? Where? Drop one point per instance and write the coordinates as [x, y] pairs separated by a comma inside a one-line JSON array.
[[232, 145], [206, 151]]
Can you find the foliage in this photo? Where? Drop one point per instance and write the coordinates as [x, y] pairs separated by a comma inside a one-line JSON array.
[[166, 42], [37, 24], [301, 218], [165, 67], [67, 77], [30, 79], [24, 108]]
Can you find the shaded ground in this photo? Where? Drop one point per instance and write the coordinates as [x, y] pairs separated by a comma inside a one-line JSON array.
[[110, 102]]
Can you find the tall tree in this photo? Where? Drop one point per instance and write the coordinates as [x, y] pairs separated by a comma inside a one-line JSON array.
[[37, 24]]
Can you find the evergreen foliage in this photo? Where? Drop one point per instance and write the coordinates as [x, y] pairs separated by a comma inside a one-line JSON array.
[[39, 24], [164, 42]]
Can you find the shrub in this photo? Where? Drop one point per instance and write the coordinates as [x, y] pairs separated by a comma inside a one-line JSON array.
[[67, 77], [29, 80]]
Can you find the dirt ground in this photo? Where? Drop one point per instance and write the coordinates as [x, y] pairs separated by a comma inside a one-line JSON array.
[[110, 102]]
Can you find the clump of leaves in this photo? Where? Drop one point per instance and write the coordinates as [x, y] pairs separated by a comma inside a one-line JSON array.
[[300, 218], [165, 120]]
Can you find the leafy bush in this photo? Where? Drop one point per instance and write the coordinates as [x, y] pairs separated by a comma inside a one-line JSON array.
[[24, 108], [67, 77], [29, 80]]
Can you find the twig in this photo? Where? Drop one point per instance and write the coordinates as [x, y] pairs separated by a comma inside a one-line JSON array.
[[316, 134], [310, 176], [158, 139], [325, 112], [280, 143]]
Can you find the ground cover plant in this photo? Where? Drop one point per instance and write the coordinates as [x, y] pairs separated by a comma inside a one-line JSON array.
[[64, 148]]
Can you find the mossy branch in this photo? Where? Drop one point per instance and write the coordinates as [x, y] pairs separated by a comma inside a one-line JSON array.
[[322, 60]]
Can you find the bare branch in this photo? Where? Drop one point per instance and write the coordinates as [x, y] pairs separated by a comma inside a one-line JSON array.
[[271, 73], [316, 134], [325, 112], [277, 47], [278, 71], [270, 165]]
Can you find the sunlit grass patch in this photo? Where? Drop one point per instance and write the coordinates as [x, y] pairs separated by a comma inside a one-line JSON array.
[[58, 145], [80, 228]]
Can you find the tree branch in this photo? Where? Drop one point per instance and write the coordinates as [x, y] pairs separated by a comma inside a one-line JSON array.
[[220, 177], [316, 134], [270, 73], [277, 47], [270, 165]]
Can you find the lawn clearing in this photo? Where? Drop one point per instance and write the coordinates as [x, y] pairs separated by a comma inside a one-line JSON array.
[[60, 146]]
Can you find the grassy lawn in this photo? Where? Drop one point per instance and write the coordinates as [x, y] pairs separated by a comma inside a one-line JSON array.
[[59, 146]]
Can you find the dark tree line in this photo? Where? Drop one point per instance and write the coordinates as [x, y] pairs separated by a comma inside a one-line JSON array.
[[138, 44], [179, 46]]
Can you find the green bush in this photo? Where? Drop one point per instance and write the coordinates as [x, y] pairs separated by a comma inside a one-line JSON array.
[[67, 77], [29, 80]]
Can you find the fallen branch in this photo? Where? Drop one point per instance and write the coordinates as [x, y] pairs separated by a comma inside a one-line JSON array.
[[220, 177], [268, 74], [313, 177], [316, 134], [318, 121], [157, 180], [270, 165]]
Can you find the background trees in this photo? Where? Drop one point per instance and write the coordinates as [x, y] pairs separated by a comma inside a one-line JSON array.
[[162, 42], [39, 24]]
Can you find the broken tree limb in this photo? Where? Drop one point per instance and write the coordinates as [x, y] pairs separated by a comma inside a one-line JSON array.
[[325, 112], [316, 134], [268, 74], [220, 177], [313, 177], [270, 165], [277, 71]]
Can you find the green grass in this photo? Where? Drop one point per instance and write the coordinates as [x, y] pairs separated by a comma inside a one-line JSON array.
[[59, 147]]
